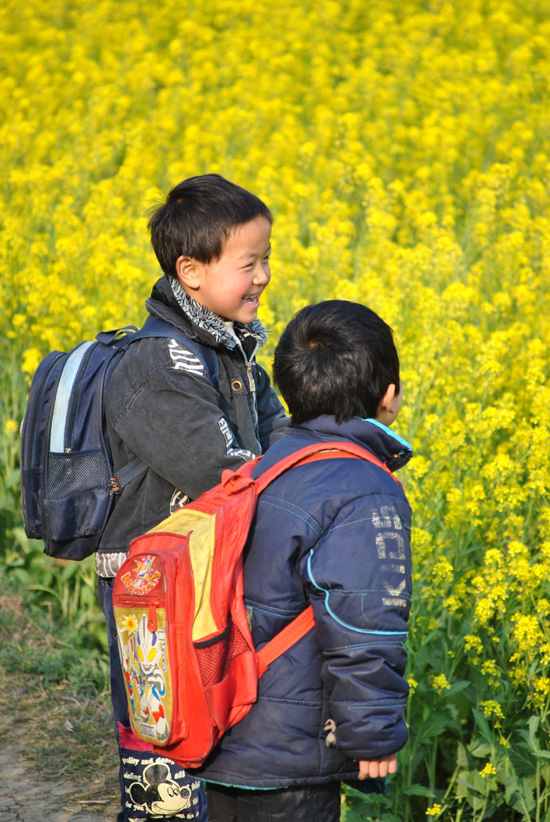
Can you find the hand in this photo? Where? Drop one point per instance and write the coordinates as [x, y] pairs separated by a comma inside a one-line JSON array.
[[377, 767]]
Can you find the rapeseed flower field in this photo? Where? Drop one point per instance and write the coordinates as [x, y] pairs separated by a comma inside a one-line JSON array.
[[404, 148]]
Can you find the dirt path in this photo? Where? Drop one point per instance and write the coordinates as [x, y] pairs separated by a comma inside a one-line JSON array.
[[26, 797], [58, 757]]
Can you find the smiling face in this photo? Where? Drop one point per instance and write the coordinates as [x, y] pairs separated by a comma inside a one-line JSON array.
[[231, 286]]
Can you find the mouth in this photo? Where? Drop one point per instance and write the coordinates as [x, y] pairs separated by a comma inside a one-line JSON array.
[[252, 300]]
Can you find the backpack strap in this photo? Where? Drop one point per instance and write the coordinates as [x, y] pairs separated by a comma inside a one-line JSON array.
[[285, 639], [155, 327], [319, 451], [305, 621]]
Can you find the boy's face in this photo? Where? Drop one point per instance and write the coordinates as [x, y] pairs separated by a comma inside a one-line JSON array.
[[232, 285]]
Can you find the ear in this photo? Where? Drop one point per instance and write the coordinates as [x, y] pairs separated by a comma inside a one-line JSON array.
[[188, 270], [388, 400], [389, 405]]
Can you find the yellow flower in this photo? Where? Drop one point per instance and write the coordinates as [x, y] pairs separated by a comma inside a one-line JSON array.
[[488, 770], [490, 670], [10, 427], [492, 709], [440, 683]]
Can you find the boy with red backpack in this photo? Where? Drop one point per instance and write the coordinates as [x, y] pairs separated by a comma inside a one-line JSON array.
[[334, 534]]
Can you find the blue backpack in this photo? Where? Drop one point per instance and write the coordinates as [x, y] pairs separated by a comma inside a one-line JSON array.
[[67, 480]]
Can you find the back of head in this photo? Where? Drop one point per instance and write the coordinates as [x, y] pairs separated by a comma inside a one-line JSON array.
[[198, 216], [337, 358]]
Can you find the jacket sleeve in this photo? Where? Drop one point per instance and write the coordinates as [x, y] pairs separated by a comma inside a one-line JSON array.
[[359, 580], [170, 418], [272, 419]]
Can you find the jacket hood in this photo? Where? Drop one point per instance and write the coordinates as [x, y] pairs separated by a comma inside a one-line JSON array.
[[384, 443], [169, 302]]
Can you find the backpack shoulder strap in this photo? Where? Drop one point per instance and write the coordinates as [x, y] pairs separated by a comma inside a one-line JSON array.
[[155, 327], [319, 451], [285, 639], [303, 623]]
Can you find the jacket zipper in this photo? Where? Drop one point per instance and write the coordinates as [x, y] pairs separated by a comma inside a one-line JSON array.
[[252, 389]]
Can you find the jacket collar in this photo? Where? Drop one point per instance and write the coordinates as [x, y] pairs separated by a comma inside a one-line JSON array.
[[169, 302], [384, 443]]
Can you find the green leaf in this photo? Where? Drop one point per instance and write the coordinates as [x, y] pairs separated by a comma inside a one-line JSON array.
[[469, 781], [521, 758], [531, 739], [481, 749], [483, 726], [526, 798], [456, 687], [541, 754], [461, 756], [418, 790], [434, 726], [533, 724]]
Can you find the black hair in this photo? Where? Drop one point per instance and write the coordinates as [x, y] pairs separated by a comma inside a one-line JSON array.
[[335, 357], [198, 216]]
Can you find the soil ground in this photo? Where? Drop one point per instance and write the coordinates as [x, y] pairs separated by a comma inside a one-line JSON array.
[[58, 758], [28, 798]]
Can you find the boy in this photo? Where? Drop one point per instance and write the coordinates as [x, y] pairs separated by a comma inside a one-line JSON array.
[[333, 533], [212, 239]]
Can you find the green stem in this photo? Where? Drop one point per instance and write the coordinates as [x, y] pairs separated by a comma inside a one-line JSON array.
[[539, 803]]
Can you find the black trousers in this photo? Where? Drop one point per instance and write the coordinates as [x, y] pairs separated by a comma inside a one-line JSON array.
[[313, 803]]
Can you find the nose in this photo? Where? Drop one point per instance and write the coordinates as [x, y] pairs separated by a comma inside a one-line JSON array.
[[262, 274]]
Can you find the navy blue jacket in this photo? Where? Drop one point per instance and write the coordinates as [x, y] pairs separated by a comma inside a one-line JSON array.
[[335, 534]]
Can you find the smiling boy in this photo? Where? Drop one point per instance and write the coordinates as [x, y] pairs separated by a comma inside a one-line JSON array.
[[185, 418], [231, 285]]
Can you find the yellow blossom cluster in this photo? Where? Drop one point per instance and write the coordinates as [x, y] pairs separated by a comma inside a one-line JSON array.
[[403, 149]]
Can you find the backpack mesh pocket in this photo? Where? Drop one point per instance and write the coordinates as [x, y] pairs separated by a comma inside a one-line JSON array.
[[70, 474], [214, 656]]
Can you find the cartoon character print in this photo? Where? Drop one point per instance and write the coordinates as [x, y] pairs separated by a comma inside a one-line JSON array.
[[162, 796], [143, 577], [144, 665], [152, 681]]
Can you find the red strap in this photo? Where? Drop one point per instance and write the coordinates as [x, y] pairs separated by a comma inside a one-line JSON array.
[[299, 626], [248, 467], [286, 638], [309, 454]]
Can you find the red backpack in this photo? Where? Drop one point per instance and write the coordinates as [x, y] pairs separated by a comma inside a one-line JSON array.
[[189, 663]]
